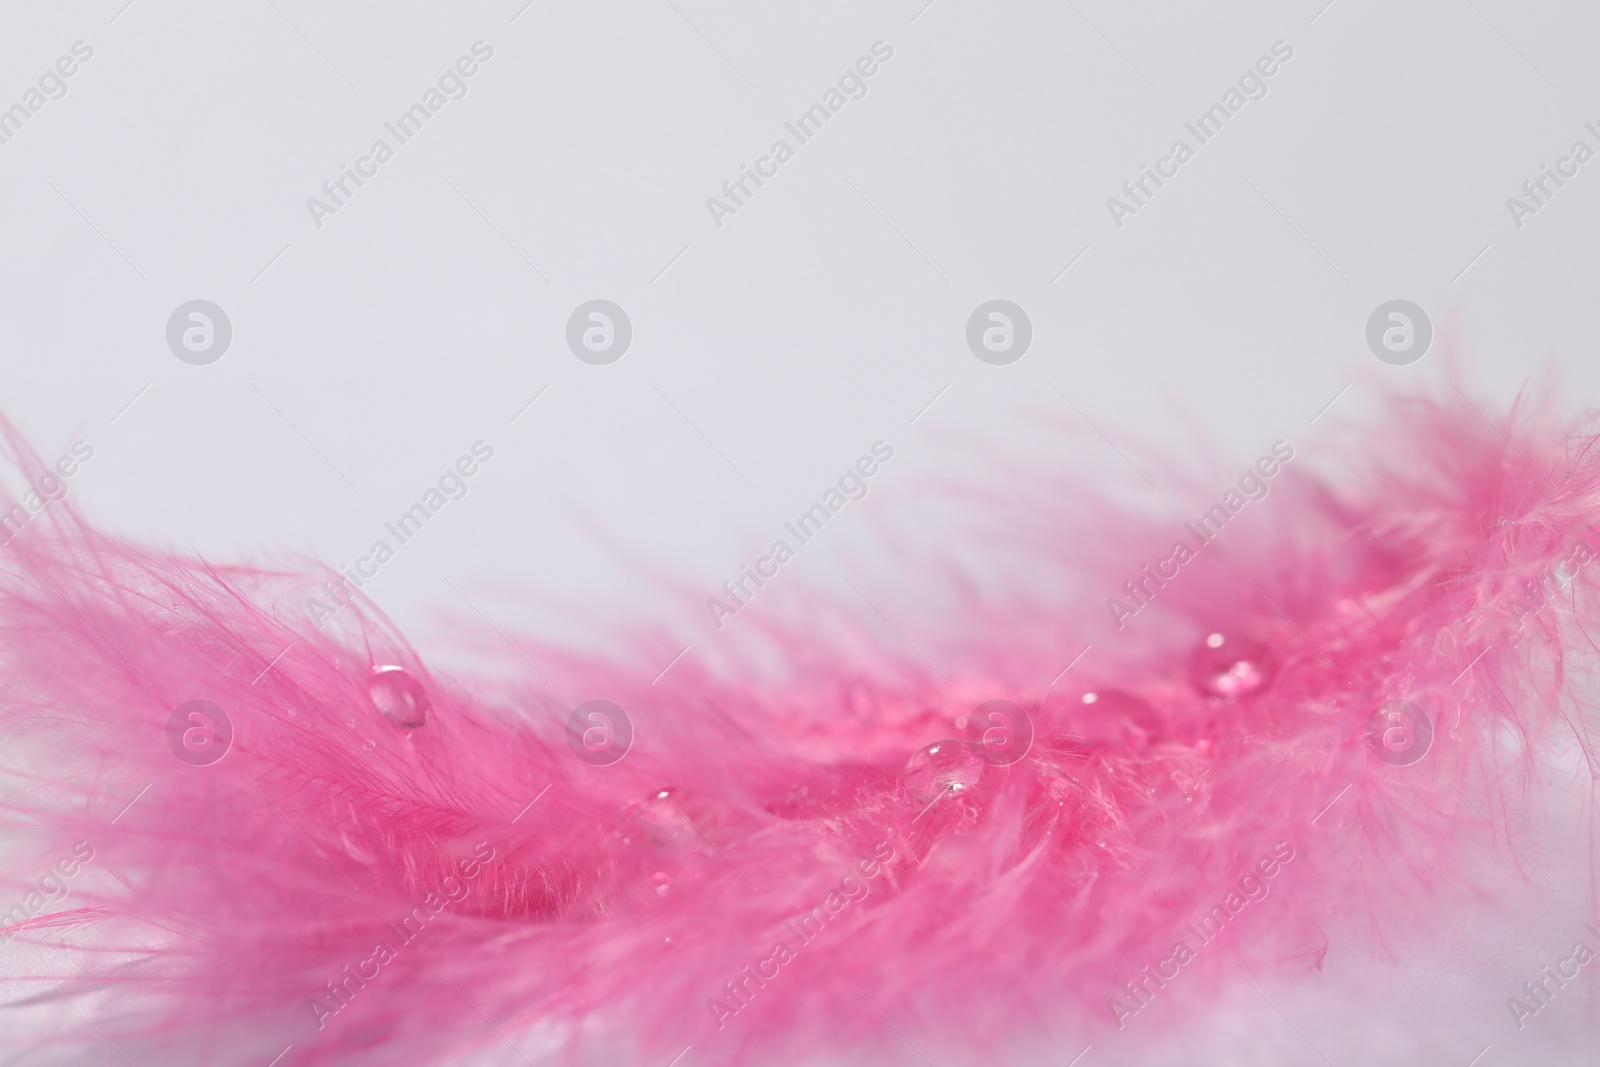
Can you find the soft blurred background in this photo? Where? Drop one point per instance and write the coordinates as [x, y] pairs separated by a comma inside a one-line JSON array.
[[373, 346]]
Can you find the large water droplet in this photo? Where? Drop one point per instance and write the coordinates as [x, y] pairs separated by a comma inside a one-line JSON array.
[[1231, 667], [678, 819], [399, 695], [942, 767], [661, 811]]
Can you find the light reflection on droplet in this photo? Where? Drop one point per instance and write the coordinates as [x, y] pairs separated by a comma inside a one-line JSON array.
[[1231, 667], [399, 695], [942, 767]]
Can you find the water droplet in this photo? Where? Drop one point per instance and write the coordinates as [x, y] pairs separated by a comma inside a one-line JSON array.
[[663, 819], [399, 695], [1231, 666], [663, 884], [942, 767], [369, 744]]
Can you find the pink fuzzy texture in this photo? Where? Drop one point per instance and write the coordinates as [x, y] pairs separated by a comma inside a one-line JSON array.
[[608, 918]]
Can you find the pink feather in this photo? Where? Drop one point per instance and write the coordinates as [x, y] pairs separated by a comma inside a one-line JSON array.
[[623, 913]]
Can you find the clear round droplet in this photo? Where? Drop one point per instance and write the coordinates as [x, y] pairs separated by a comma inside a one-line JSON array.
[[942, 767], [368, 745], [663, 817], [662, 883], [399, 695], [1231, 667]]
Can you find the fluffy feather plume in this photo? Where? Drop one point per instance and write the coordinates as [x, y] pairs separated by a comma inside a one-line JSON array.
[[785, 869]]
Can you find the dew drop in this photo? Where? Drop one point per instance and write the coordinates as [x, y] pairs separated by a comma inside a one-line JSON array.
[[1231, 667], [660, 813], [368, 745], [399, 695], [662, 883], [942, 767]]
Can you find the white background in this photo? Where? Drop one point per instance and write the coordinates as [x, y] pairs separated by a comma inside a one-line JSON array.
[[768, 353]]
